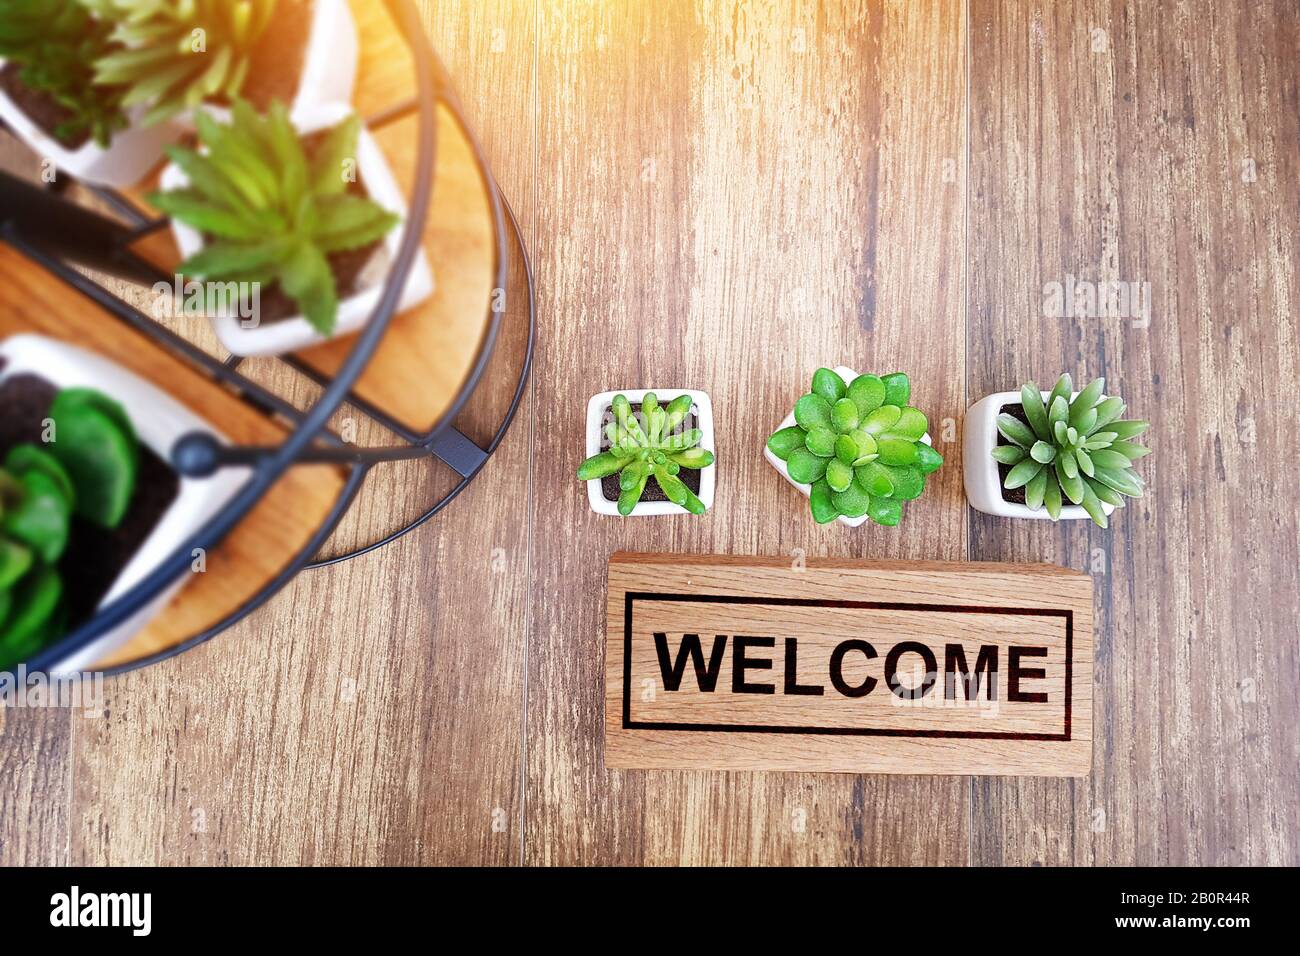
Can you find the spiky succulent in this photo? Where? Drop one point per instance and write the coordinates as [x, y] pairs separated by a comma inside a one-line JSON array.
[[88, 470], [654, 447], [858, 445], [54, 43], [177, 54], [1078, 450], [272, 213]]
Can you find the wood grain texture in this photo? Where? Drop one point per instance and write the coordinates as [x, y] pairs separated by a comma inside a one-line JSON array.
[[745, 204], [847, 666], [1154, 143]]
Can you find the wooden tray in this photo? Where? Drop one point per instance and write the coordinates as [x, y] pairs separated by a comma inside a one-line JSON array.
[[269, 537]]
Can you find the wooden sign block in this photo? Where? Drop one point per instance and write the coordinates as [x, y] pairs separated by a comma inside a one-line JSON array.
[[742, 663]]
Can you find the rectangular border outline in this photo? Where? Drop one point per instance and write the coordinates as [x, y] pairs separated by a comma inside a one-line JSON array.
[[630, 597]]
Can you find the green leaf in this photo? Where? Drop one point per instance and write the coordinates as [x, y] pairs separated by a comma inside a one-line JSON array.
[[682, 440], [868, 393], [805, 467], [909, 483], [1008, 454], [35, 602], [1129, 450], [632, 475], [676, 412], [1058, 417], [695, 458], [1014, 430], [1042, 452], [1083, 421], [812, 411], [821, 441], [1105, 492], [846, 449], [828, 384], [1065, 462], [911, 425], [223, 259], [1031, 400], [1071, 485], [1109, 458], [1062, 389], [885, 511], [898, 390], [627, 500], [844, 415], [881, 420], [1099, 440], [927, 459], [1084, 460], [1035, 488], [672, 487], [838, 475], [24, 458], [897, 451], [875, 479], [1128, 429], [336, 153], [15, 561], [100, 458], [1122, 480], [1092, 505], [1020, 475], [1052, 497], [852, 502], [1087, 398], [40, 518], [1109, 410], [206, 216], [350, 222], [865, 443], [598, 466], [305, 277], [821, 503]]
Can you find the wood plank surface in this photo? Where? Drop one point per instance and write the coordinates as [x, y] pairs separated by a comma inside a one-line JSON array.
[[725, 196], [1154, 143]]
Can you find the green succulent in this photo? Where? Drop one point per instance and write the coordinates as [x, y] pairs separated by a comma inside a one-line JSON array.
[[654, 447], [87, 471], [178, 54], [1080, 450], [859, 447], [272, 212], [54, 43]]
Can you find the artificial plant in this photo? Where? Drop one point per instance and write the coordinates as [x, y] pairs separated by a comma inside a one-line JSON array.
[[177, 54], [88, 470], [1079, 449], [273, 213], [858, 446], [653, 447], [53, 44]]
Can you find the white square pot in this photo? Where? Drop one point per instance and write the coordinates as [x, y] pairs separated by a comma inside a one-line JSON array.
[[291, 334], [848, 375], [133, 152], [703, 410], [983, 484], [159, 421], [329, 65]]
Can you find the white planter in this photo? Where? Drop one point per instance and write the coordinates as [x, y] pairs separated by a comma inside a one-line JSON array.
[[983, 483], [329, 66], [848, 375], [159, 421], [291, 334], [703, 410], [130, 156]]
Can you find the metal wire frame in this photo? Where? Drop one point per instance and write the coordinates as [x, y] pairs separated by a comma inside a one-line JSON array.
[[433, 87]]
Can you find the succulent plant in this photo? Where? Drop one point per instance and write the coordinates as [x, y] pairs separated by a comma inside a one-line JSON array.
[[654, 447], [272, 213], [859, 447], [177, 54], [1079, 450], [54, 43], [89, 471]]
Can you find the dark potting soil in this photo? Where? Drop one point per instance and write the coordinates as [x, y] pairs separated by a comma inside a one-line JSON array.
[[1015, 495], [41, 108], [276, 64], [95, 556], [609, 484], [348, 266]]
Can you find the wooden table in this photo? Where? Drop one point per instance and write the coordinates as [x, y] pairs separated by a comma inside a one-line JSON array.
[[725, 196]]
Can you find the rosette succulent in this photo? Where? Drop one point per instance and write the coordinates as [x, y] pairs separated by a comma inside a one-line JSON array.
[[87, 471], [858, 445], [177, 54], [655, 447], [1080, 450], [53, 44]]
